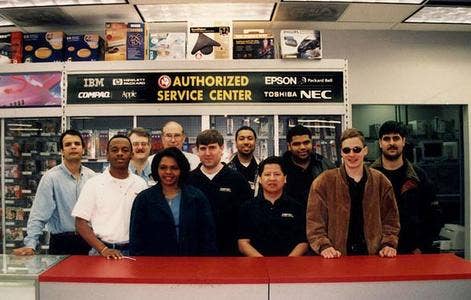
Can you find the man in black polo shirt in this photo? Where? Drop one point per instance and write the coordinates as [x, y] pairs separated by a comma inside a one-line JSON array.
[[225, 189], [301, 163], [243, 160], [272, 224]]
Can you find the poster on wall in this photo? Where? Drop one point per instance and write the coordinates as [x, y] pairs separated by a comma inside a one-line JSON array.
[[207, 87], [30, 90]]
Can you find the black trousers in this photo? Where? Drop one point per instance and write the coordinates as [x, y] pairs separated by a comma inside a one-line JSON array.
[[68, 243]]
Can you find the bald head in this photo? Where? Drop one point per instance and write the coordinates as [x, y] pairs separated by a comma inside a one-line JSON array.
[[173, 135]]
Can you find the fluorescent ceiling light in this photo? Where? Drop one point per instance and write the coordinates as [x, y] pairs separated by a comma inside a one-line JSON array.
[[442, 14], [33, 3], [206, 11], [363, 1]]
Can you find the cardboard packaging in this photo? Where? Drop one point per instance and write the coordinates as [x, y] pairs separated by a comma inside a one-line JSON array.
[[167, 46], [135, 41], [304, 44], [11, 47], [84, 47], [209, 41], [254, 46], [43, 46], [115, 38]]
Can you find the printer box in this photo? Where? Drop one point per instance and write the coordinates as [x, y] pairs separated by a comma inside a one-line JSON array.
[[304, 44], [254, 46], [43, 46], [115, 38], [167, 45], [135, 41], [11, 47], [211, 40], [84, 47]]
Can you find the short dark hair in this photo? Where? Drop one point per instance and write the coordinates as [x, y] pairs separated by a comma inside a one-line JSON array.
[[271, 160], [245, 128], [70, 132], [389, 127], [209, 136], [298, 130], [352, 133], [178, 156], [140, 131], [118, 136]]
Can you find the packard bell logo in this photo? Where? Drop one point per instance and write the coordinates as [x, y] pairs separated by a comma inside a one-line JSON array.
[[164, 82]]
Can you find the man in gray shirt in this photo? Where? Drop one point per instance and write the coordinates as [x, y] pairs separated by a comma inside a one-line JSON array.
[[57, 193]]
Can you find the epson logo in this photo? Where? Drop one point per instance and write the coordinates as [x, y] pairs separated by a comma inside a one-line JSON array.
[[94, 95], [278, 80]]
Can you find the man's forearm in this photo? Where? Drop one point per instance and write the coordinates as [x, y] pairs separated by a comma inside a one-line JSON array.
[[88, 235]]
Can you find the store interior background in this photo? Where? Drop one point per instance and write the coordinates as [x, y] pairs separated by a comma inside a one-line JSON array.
[[390, 64]]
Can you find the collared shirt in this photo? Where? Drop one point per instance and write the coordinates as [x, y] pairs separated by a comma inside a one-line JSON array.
[[146, 173], [249, 172], [57, 193], [106, 203], [174, 204]]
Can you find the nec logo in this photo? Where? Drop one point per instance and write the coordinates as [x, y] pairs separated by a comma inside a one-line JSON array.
[[278, 80]]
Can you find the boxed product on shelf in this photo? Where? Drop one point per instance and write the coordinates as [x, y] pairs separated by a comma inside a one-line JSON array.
[[115, 38], [43, 46], [167, 45], [135, 41], [256, 45], [84, 47], [304, 44], [210, 40], [11, 47]]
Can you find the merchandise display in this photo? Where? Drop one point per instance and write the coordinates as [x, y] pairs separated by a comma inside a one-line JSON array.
[[305, 44], [254, 46], [135, 41], [43, 46], [167, 45], [208, 41], [115, 38], [84, 47], [30, 150], [11, 47]]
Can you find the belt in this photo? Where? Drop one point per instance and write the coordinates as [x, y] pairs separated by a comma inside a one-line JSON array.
[[123, 246], [65, 234]]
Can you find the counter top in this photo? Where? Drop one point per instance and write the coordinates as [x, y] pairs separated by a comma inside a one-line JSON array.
[[26, 267], [241, 270]]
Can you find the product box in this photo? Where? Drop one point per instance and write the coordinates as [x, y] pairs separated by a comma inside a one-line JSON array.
[[84, 47], [167, 45], [305, 44], [135, 41], [11, 47], [212, 40], [43, 46], [115, 38], [254, 46]]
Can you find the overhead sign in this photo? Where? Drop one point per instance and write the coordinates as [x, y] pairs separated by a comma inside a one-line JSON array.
[[206, 87]]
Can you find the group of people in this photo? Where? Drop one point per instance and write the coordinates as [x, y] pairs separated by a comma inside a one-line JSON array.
[[175, 203]]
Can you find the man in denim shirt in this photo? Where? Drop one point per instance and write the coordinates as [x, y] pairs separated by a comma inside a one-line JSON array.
[[56, 195]]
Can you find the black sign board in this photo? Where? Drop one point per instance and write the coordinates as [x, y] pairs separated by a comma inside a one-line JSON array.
[[206, 87]]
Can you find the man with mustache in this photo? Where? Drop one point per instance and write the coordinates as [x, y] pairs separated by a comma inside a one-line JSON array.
[[419, 209], [139, 164]]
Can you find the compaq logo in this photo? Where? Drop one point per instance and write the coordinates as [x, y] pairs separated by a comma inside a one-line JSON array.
[[272, 80], [94, 95]]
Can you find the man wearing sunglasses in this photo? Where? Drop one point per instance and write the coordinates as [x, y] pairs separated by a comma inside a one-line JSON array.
[[419, 209], [351, 209], [302, 164]]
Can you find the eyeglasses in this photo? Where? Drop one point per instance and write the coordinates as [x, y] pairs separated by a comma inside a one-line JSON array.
[[347, 150], [142, 144]]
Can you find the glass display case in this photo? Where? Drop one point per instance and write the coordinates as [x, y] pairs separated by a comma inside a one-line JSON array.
[[30, 149]]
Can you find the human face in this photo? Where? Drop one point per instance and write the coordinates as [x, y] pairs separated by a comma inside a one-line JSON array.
[[351, 159], [272, 179], [300, 147], [173, 136], [210, 155], [245, 142], [169, 172], [140, 146], [392, 145], [72, 148], [119, 153]]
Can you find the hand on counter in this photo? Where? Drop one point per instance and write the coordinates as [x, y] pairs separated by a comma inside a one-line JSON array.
[[388, 252], [111, 253], [24, 251], [330, 253]]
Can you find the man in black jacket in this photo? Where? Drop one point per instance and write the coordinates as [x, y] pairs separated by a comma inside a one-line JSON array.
[[302, 164], [225, 189], [419, 210]]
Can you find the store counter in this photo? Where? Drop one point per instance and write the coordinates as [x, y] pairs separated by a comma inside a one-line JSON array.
[[442, 276]]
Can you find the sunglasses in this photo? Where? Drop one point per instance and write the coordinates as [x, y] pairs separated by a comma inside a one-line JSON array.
[[347, 150]]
